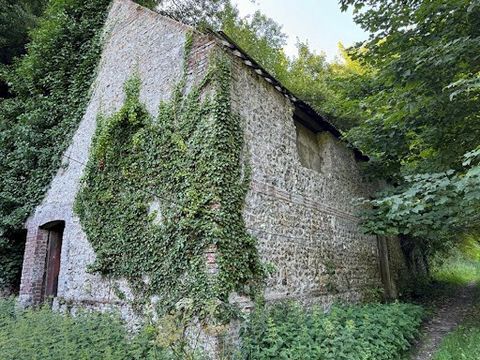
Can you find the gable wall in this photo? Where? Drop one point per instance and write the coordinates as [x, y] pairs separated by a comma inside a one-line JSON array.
[[137, 41]]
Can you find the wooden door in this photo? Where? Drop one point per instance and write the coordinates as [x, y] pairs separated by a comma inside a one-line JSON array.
[[52, 266], [384, 263]]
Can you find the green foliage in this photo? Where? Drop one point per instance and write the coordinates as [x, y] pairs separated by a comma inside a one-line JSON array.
[[429, 205], [16, 20], [158, 194], [374, 331], [197, 13], [332, 89], [11, 257], [455, 268], [350, 84], [459, 265], [463, 343], [261, 37], [308, 77], [422, 61], [50, 85], [48, 335], [424, 113]]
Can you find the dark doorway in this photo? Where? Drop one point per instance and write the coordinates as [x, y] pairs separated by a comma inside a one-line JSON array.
[[54, 233], [11, 261]]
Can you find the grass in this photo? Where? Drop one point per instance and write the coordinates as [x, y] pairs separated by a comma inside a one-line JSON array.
[[462, 266], [464, 341], [460, 269], [450, 271]]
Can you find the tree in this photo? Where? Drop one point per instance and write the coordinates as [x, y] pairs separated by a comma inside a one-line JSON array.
[[308, 75], [349, 83], [424, 116], [427, 56], [261, 37], [37, 122], [198, 13], [17, 19]]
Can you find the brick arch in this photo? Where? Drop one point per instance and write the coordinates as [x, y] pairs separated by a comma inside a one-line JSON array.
[[53, 224]]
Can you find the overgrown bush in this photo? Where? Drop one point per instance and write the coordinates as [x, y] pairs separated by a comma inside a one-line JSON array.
[[374, 331], [50, 90]]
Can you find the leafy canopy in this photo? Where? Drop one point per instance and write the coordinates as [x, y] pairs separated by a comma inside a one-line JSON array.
[[421, 124], [426, 114]]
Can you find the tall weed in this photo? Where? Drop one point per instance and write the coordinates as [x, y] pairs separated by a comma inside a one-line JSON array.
[[374, 331], [47, 335]]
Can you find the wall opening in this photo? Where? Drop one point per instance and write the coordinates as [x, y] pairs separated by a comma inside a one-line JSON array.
[[54, 233], [12, 261], [309, 147]]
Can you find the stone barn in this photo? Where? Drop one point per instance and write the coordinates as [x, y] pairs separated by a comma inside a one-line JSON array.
[[302, 184]]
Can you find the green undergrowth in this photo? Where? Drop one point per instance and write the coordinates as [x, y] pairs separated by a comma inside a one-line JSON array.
[[461, 268], [373, 331], [458, 271], [48, 335], [163, 196], [463, 343], [283, 331], [451, 269]]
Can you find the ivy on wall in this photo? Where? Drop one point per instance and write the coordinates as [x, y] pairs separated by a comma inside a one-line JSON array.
[[159, 195], [50, 87]]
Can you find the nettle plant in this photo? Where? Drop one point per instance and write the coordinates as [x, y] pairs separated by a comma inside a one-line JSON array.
[[158, 194], [289, 331]]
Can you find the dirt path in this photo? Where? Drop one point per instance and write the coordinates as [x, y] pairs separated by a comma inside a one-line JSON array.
[[448, 315]]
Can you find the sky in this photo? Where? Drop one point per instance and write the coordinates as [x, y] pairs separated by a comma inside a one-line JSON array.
[[320, 22]]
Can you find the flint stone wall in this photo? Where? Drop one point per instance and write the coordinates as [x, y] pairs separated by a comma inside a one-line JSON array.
[[300, 204]]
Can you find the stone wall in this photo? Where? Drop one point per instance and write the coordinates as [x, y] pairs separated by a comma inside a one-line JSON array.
[[137, 41], [300, 204]]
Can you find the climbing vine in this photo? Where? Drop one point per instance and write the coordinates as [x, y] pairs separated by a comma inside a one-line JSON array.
[[161, 200], [49, 89]]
